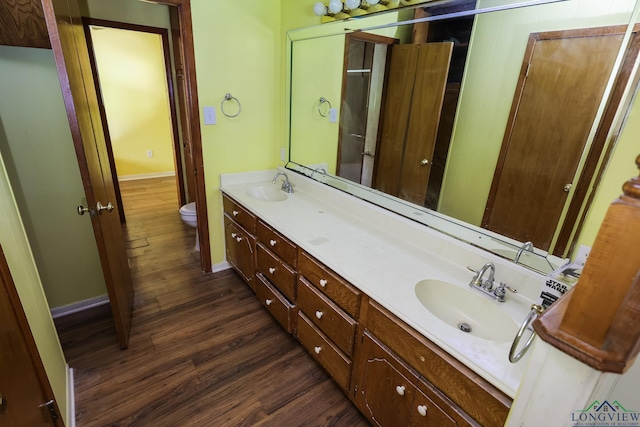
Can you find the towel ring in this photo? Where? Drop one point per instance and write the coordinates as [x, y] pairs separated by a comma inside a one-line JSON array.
[[229, 97], [322, 101]]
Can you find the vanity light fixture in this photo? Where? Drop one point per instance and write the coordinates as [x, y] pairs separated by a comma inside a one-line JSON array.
[[357, 7], [320, 9]]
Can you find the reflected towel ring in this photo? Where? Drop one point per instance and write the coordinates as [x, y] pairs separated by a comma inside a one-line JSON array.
[[322, 101], [229, 97]]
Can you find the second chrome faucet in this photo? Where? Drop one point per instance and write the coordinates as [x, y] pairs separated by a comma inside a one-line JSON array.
[[286, 185], [486, 286]]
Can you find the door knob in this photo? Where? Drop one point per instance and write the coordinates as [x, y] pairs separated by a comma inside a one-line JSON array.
[[3, 404], [567, 187], [424, 162], [81, 210], [102, 207]]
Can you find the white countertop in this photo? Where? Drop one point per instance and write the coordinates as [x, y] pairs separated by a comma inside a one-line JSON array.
[[385, 255]]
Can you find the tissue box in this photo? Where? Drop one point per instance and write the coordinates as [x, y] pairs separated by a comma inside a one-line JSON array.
[[558, 282]]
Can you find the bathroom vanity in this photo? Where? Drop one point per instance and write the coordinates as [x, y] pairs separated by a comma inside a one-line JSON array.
[[345, 278]]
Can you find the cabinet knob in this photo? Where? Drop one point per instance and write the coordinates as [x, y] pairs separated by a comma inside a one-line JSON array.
[[272, 270], [272, 242], [400, 390], [319, 314], [238, 239], [234, 235], [424, 162], [235, 213], [317, 349], [422, 410], [323, 282], [268, 301]]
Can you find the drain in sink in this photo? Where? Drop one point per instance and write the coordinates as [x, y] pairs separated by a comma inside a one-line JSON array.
[[464, 327]]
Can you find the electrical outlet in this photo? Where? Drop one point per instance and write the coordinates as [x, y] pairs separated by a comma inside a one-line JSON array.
[[149, 153], [282, 153]]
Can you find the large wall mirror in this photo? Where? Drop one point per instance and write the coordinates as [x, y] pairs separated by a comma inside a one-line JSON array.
[[492, 121]]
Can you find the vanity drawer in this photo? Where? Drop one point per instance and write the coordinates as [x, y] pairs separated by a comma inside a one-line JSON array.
[[277, 272], [275, 303], [324, 351], [239, 214], [277, 244], [327, 316], [330, 284]]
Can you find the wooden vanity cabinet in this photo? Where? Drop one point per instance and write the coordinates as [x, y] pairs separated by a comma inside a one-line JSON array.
[[390, 394], [240, 242], [327, 318], [464, 395], [276, 275]]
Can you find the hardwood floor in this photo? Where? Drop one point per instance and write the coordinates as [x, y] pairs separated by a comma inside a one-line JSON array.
[[203, 351]]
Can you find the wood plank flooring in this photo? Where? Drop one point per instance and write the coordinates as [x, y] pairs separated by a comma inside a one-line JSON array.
[[203, 351]]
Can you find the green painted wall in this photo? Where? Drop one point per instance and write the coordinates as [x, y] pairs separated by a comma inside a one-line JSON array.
[[36, 144], [15, 244], [238, 48], [134, 89]]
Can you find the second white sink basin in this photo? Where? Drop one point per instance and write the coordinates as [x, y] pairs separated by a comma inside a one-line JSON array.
[[267, 193], [466, 311]]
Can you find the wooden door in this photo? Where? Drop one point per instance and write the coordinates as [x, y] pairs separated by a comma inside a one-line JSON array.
[[413, 102], [24, 387], [562, 81], [399, 85], [80, 98], [426, 106]]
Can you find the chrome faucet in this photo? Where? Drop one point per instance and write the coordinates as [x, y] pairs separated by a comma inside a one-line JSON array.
[[286, 185], [526, 246], [486, 285], [478, 278]]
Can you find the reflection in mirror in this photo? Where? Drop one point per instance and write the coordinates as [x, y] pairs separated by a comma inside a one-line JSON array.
[[499, 124]]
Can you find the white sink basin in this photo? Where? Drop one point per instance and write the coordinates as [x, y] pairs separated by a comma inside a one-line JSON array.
[[267, 193], [463, 309]]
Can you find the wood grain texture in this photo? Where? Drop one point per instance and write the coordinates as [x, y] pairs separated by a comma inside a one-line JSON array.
[[597, 322], [22, 24], [472, 393], [203, 351], [526, 198]]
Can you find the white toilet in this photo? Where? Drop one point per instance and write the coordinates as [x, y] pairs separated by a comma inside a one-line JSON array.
[[189, 217]]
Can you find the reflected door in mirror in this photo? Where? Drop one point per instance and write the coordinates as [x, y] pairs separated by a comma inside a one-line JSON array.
[[412, 105], [562, 81]]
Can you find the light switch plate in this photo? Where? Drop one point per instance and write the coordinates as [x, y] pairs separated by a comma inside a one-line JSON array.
[[333, 115], [583, 254], [209, 115]]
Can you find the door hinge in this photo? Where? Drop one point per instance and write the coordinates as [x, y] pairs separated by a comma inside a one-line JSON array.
[[51, 407]]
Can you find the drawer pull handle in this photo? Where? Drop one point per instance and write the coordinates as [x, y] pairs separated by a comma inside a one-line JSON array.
[[323, 282], [319, 314], [272, 242], [268, 301], [272, 270], [235, 213], [317, 349], [422, 410], [233, 235], [238, 239], [400, 390]]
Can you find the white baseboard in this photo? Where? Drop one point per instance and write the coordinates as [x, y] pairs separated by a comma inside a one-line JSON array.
[[146, 176], [65, 310], [221, 266], [71, 398]]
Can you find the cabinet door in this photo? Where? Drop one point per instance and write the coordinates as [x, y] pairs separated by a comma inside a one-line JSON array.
[[240, 250], [386, 390], [425, 413]]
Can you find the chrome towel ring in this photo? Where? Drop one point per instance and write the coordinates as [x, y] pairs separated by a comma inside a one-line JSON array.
[[536, 310], [322, 101], [229, 97]]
